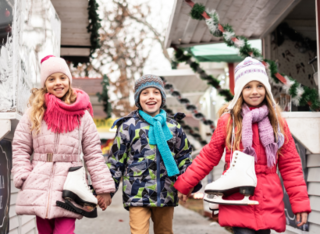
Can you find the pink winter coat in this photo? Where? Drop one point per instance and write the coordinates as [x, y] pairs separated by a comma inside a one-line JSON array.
[[41, 182], [269, 214]]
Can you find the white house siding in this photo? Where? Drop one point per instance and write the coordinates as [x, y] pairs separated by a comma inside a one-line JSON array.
[[313, 164], [23, 69], [20, 224]]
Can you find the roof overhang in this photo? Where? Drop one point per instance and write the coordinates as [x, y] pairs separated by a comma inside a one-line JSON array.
[[252, 19], [75, 39]]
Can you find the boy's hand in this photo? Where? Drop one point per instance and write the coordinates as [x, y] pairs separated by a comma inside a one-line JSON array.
[[104, 200], [183, 197], [301, 218]]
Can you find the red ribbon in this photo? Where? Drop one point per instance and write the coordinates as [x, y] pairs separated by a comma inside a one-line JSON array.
[[281, 78], [220, 28]]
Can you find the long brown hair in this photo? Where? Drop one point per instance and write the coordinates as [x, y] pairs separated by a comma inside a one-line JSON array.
[[38, 107], [236, 112]]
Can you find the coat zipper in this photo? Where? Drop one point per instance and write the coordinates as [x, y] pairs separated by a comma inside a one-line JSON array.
[[56, 140], [158, 177]]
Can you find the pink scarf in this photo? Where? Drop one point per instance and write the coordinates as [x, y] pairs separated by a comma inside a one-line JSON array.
[[266, 133], [61, 117]]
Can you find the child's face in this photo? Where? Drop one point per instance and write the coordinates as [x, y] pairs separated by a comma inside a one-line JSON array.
[[57, 84], [150, 101], [254, 93]]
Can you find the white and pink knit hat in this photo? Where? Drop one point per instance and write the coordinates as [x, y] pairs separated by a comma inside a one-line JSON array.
[[248, 70], [51, 64]]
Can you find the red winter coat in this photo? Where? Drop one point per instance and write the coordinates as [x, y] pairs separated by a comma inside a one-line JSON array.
[[269, 214]]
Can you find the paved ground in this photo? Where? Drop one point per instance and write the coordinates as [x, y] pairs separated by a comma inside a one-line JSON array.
[[115, 220]]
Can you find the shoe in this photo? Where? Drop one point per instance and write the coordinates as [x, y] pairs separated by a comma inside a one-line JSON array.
[[240, 177], [77, 190]]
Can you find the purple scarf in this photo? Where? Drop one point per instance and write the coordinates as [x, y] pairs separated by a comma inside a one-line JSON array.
[[266, 134]]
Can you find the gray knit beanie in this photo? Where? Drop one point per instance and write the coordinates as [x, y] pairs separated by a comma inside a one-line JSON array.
[[148, 81]]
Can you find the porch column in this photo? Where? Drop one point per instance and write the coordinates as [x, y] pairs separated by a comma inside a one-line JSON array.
[[231, 76]]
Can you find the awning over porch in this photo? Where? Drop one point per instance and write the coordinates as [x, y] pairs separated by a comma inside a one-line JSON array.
[[252, 19], [220, 52]]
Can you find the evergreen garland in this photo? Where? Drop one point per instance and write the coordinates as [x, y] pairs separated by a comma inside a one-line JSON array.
[[197, 11], [183, 56], [300, 95], [192, 108], [104, 97], [189, 130], [94, 25]]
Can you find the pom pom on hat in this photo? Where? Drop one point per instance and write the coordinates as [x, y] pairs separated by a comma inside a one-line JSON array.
[[51, 64], [47, 57]]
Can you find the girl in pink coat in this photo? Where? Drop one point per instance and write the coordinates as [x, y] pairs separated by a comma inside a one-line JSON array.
[[46, 144], [259, 132]]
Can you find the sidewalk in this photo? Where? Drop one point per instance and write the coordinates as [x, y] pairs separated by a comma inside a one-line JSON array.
[[115, 220]]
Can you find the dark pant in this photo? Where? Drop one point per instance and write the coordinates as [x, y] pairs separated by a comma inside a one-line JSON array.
[[249, 231]]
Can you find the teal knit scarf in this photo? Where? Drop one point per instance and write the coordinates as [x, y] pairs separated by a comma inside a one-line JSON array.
[[159, 134]]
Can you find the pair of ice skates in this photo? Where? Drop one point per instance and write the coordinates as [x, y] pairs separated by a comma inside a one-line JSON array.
[[76, 190], [240, 177]]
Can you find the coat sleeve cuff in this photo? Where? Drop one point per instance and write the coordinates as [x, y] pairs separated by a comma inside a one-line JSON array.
[[301, 206], [197, 188], [19, 180], [181, 186]]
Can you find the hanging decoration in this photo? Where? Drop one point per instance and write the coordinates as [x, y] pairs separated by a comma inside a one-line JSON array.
[[184, 56], [94, 25], [7, 13], [104, 97], [300, 95], [190, 107]]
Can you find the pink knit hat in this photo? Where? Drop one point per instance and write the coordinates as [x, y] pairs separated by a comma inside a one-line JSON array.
[[51, 64]]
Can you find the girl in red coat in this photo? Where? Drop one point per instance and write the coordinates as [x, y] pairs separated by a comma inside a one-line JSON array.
[[253, 120]]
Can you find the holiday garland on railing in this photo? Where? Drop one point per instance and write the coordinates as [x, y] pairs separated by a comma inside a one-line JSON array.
[[94, 26], [189, 130], [299, 94], [190, 107], [180, 56], [104, 97]]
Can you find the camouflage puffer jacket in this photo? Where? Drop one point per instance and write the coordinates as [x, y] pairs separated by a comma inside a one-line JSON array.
[[145, 179]]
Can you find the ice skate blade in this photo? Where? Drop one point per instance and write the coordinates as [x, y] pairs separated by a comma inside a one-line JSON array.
[[245, 190], [218, 200], [70, 196], [70, 207]]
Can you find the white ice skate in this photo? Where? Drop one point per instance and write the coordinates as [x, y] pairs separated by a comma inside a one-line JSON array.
[[76, 189], [240, 177], [213, 207]]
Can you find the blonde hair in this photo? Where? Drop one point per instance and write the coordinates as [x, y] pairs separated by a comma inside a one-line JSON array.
[[38, 106], [274, 117]]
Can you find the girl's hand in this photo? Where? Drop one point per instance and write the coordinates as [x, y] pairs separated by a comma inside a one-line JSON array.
[[301, 218], [104, 200], [183, 197]]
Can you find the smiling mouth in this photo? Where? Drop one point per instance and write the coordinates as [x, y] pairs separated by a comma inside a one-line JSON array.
[[59, 89], [151, 103]]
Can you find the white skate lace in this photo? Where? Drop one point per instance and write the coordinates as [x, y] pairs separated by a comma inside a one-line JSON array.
[[85, 183]]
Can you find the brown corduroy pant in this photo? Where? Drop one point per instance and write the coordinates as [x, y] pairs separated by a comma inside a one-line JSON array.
[[161, 217]]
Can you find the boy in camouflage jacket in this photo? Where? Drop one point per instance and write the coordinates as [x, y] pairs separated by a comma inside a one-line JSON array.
[[149, 171]]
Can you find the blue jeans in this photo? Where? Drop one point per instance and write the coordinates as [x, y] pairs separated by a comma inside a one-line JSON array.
[[237, 230]]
